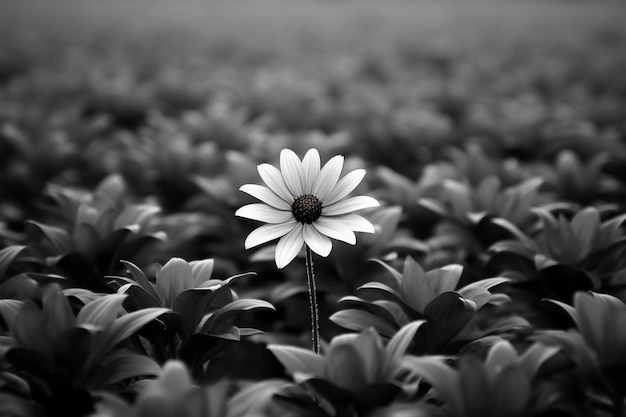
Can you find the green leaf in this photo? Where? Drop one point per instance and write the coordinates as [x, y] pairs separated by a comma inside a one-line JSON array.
[[458, 195], [120, 366], [527, 242], [586, 228], [535, 356], [174, 278], [9, 310], [57, 237], [202, 270], [386, 292], [138, 298], [86, 240], [400, 342], [102, 311], [57, 312], [568, 309], [433, 205], [359, 320], [85, 296], [71, 349], [377, 308], [445, 317], [443, 378], [486, 284], [140, 278], [511, 392], [387, 218], [28, 328], [192, 305], [122, 328], [296, 359], [7, 255], [415, 288], [137, 214], [478, 291], [223, 315], [19, 287], [396, 275], [444, 279], [348, 368]]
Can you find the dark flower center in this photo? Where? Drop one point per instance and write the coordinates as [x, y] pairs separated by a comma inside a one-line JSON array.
[[306, 209]]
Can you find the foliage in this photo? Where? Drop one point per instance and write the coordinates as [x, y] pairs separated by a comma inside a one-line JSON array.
[[494, 283]]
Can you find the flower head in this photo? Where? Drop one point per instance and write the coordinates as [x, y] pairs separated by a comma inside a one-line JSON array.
[[303, 203]]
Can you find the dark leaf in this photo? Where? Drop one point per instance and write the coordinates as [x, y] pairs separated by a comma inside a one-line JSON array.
[[7, 255], [445, 317]]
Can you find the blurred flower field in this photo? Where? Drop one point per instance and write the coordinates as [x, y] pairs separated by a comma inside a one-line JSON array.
[[492, 133]]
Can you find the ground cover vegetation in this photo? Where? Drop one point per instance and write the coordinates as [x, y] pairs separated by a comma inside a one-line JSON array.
[[491, 134]]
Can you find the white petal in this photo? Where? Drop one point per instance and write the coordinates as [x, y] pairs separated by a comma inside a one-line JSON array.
[[350, 205], [356, 223], [318, 243], [265, 195], [272, 177], [289, 246], [345, 186], [335, 229], [327, 178], [264, 213], [311, 168], [291, 169], [268, 232]]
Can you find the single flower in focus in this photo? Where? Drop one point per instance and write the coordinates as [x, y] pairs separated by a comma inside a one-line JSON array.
[[303, 203]]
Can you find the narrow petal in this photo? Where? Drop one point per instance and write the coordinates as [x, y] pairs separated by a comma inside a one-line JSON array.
[[272, 177], [327, 178], [291, 169], [311, 168], [289, 246], [264, 213], [356, 223], [268, 232], [318, 243], [350, 205], [345, 186], [265, 195], [335, 229]]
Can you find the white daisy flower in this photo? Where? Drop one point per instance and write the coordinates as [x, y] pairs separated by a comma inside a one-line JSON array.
[[303, 203]]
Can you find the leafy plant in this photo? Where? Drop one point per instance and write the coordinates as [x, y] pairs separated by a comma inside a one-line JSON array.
[[470, 205], [583, 253], [201, 325], [64, 357], [600, 319], [356, 374], [100, 229], [171, 394], [507, 376], [418, 295]]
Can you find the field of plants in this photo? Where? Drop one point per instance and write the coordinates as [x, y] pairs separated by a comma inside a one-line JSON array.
[[484, 152]]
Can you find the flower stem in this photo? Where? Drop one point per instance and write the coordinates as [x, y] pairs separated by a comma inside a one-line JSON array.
[[310, 280]]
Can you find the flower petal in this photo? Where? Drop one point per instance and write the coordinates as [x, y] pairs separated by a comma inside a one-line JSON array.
[[318, 243], [289, 246], [264, 213], [268, 232], [356, 223], [266, 195], [327, 178], [345, 186], [335, 229], [311, 169], [272, 177], [291, 169], [350, 205]]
